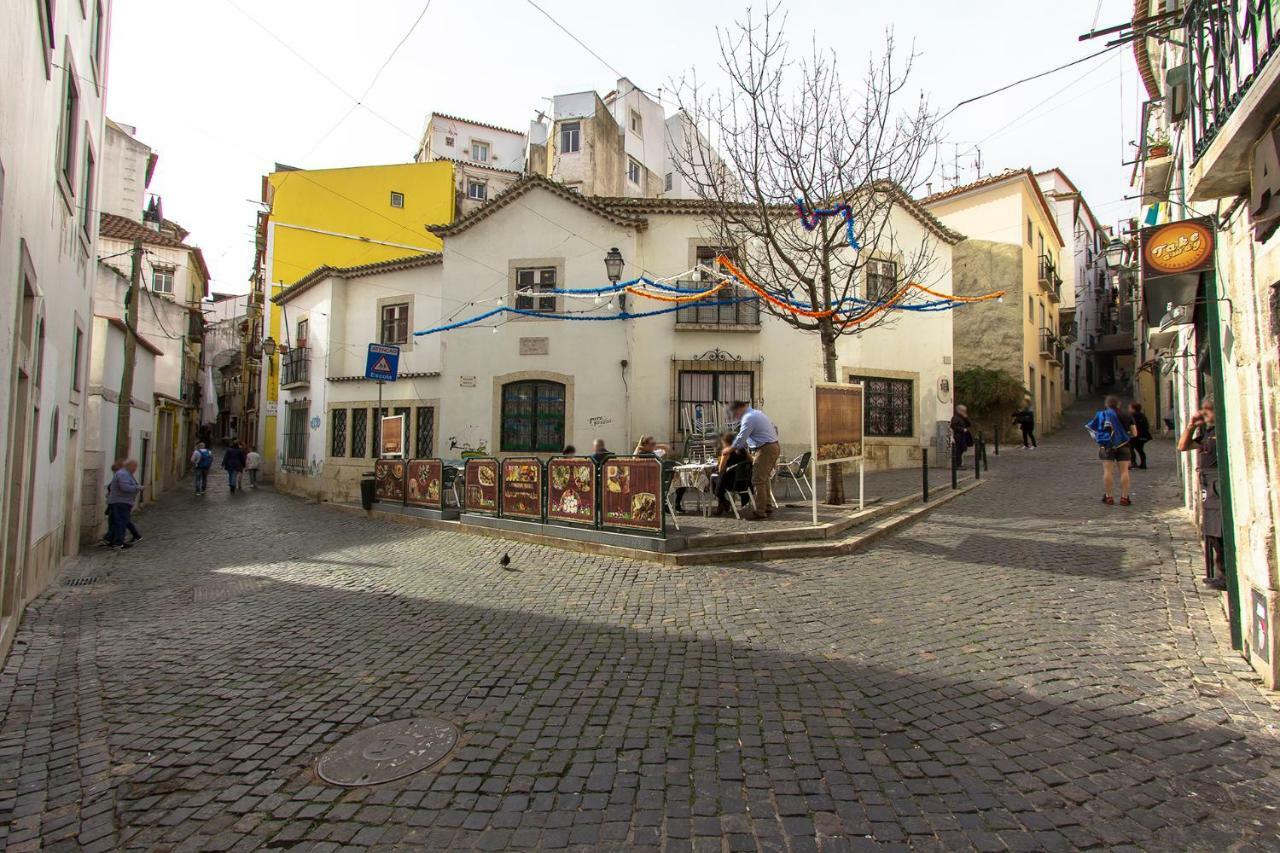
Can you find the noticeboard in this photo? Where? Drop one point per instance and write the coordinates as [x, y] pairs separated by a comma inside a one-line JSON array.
[[388, 475], [837, 422], [425, 483], [522, 488], [392, 436], [631, 495], [480, 486], [571, 490]]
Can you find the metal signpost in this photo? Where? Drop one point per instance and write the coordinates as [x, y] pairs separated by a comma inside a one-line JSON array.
[[381, 366]]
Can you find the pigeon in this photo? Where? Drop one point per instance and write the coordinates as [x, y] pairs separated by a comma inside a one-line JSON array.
[[505, 562]]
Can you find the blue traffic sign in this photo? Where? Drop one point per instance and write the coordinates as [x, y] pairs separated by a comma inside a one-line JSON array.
[[383, 362]]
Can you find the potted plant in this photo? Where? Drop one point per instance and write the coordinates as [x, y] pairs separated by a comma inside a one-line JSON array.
[[1158, 144]]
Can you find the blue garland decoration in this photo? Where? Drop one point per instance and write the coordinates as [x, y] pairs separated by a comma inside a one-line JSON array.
[[810, 221], [546, 315]]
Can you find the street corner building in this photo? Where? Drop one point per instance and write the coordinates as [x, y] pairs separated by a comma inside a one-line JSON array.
[[527, 384], [53, 60], [1203, 259]]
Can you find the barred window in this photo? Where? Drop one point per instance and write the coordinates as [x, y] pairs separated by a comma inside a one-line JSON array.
[[359, 432], [338, 433], [881, 278], [535, 280], [295, 433], [425, 433], [378, 415], [742, 313], [533, 417], [890, 406]]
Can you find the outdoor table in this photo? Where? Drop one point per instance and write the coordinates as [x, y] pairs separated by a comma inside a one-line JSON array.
[[696, 476]]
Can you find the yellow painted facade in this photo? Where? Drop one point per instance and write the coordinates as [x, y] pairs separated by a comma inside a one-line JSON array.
[[343, 218]]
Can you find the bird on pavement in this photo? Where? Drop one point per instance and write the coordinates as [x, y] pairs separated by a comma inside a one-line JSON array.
[[505, 562]]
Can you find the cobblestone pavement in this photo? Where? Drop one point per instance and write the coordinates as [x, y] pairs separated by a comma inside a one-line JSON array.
[[1025, 669]]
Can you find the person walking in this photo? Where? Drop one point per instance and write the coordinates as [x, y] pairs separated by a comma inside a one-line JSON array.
[[134, 534], [202, 460], [122, 491], [1025, 418], [1142, 434], [1113, 431], [961, 435], [253, 464], [233, 459], [759, 437], [1200, 437]]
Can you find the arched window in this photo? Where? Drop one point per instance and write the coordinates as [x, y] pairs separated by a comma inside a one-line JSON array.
[[532, 417]]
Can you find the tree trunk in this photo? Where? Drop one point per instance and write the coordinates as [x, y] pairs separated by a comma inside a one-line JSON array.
[[835, 472]]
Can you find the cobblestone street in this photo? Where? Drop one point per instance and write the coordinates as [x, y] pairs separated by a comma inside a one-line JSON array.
[[1024, 669]]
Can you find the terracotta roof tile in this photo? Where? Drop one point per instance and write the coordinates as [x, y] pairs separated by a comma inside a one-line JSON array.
[[476, 123], [122, 228], [525, 185], [320, 273], [992, 180]]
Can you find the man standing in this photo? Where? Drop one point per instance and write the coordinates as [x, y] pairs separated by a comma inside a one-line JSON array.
[[202, 459], [122, 491], [1026, 419], [1142, 435], [1200, 437], [961, 435], [233, 462], [758, 436]]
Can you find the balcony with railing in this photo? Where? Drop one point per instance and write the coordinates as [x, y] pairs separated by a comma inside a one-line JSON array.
[[1050, 346], [295, 368], [1234, 82]]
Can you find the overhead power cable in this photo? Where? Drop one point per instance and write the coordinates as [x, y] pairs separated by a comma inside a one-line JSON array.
[[1009, 86]]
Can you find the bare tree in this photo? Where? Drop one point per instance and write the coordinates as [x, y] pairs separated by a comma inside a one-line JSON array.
[[786, 128]]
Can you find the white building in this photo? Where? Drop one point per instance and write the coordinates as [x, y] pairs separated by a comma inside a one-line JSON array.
[[487, 159], [1083, 268], [53, 61], [515, 385]]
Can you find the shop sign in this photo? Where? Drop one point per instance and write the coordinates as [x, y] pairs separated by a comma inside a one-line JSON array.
[[392, 435], [1177, 248]]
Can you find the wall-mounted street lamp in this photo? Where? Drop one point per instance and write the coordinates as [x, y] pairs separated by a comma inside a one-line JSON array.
[[613, 264], [1116, 251]]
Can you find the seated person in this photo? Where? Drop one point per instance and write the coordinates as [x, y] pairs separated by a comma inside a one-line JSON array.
[[733, 475], [649, 447], [599, 452]]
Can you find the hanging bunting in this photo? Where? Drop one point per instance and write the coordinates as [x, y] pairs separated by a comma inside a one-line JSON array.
[[843, 210]]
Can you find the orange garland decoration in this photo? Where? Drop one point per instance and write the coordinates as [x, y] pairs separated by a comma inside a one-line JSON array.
[[690, 298]]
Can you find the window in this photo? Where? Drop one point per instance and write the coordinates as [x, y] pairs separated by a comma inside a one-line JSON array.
[[376, 442], [448, 142], [1028, 230], [397, 199], [359, 432], [714, 390], [44, 10], [668, 182], [87, 213], [395, 323], [295, 433], [890, 405], [570, 137], [70, 118], [532, 417], [745, 313], [424, 435], [99, 26], [77, 368], [535, 280], [162, 279], [480, 151], [304, 329], [633, 170], [1042, 252], [636, 126], [338, 432], [1031, 308], [881, 278], [477, 190]]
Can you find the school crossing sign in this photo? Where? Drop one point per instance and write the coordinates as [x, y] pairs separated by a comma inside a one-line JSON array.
[[382, 363]]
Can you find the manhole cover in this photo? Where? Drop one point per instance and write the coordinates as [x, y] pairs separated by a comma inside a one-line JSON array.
[[387, 751], [89, 581]]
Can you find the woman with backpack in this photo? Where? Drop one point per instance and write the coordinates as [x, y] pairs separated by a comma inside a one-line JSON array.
[[1113, 430]]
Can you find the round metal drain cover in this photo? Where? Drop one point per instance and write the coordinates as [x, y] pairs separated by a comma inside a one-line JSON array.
[[387, 751]]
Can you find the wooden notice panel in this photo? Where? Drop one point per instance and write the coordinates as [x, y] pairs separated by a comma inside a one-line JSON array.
[[522, 488], [425, 485], [838, 418], [480, 492], [392, 436], [631, 494], [388, 475], [571, 490]]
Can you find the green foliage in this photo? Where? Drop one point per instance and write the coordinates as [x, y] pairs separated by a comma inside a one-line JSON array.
[[989, 393]]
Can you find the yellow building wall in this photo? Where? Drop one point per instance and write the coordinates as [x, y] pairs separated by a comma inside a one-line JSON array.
[[352, 207]]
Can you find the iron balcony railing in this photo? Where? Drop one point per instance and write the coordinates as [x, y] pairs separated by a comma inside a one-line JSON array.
[[1046, 270], [295, 367], [1230, 42]]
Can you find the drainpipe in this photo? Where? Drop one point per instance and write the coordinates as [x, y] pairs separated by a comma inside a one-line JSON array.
[[1216, 367]]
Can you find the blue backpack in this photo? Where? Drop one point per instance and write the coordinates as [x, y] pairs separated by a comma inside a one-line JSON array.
[[1107, 429], [206, 459]]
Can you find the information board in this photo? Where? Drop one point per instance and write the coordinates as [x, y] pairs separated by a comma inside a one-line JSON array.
[[388, 475], [392, 436], [631, 494], [480, 486], [425, 485], [571, 490], [838, 419], [522, 488]]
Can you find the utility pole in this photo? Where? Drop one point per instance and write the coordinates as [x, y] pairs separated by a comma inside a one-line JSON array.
[[124, 404]]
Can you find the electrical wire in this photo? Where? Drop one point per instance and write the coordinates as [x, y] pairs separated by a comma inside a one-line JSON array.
[[1009, 86]]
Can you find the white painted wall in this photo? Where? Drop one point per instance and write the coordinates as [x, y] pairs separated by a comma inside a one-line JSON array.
[[124, 172], [506, 148], [160, 320]]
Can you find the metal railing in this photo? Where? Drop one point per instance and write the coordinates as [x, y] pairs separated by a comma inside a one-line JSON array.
[[1050, 346], [1047, 271], [1229, 43], [295, 367]]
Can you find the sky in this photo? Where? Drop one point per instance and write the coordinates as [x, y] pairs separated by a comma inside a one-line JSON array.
[[221, 98]]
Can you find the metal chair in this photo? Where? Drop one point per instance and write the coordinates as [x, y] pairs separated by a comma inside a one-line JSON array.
[[798, 470], [449, 477]]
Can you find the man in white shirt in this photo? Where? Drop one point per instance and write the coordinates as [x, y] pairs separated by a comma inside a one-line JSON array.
[[758, 435]]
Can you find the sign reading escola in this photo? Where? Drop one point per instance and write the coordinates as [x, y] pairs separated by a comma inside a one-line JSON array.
[[382, 363]]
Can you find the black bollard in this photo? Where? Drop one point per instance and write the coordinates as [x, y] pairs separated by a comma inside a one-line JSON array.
[[977, 463], [997, 441], [924, 474], [955, 464], [986, 464]]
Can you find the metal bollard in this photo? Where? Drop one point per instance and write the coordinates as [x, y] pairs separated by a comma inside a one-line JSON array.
[[977, 462], [955, 464], [986, 463], [924, 474], [997, 441]]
